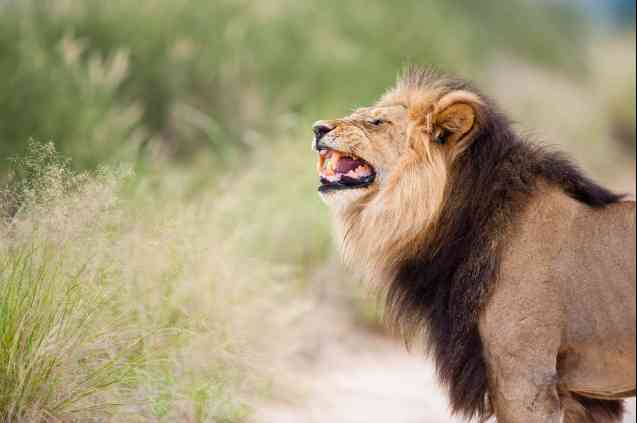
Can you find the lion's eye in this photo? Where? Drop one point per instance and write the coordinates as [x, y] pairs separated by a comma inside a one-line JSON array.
[[376, 122]]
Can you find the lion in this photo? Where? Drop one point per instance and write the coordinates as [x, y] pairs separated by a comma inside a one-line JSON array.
[[518, 270]]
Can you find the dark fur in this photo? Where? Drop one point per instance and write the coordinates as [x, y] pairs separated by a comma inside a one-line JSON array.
[[601, 410], [443, 288], [581, 409]]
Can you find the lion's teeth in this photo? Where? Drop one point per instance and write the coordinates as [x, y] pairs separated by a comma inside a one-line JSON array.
[[360, 172]]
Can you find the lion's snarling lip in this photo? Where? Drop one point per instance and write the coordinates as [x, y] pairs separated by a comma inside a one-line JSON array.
[[338, 170]]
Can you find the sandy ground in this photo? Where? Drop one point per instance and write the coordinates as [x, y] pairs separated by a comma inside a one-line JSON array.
[[368, 379], [342, 372]]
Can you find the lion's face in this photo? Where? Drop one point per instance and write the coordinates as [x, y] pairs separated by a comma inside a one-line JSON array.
[[357, 153], [383, 170]]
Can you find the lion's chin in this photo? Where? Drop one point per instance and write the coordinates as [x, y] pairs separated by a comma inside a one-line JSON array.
[[341, 200]]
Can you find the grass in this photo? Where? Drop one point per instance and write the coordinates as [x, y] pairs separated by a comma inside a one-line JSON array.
[[129, 298], [66, 351], [57, 356]]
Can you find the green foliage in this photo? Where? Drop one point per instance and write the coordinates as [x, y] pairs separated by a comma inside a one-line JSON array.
[[47, 93], [58, 358], [205, 74], [123, 297]]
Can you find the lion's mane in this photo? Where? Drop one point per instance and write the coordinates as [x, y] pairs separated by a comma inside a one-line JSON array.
[[441, 287]]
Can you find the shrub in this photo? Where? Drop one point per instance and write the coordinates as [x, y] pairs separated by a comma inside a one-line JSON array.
[[133, 299], [63, 352], [203, 76]]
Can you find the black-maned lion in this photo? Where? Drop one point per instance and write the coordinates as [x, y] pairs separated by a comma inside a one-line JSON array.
[[519, 270]]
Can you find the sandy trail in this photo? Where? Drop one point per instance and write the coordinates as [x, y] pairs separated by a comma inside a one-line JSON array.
[[340, 371], [373, 381], [363, 377], [366, 379]]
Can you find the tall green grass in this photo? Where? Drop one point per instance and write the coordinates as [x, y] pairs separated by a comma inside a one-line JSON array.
[[130, 299], [68, 349], [63, 352]]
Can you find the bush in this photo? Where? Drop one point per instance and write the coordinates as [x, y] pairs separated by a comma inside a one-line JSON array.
[[134, 299], [63, 351], [205, 75], [49, 94]]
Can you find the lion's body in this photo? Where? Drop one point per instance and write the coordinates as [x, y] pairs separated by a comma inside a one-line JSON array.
[[561, 319], [519, 270]]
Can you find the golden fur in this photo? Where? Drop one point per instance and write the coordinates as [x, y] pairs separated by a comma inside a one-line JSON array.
[[412, 171], [461, 212]]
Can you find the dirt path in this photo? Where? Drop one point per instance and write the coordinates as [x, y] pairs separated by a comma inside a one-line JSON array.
[[339, 371], [364, 380], [361, 377]]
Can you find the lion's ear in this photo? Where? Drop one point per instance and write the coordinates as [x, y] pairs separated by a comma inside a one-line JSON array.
[[455, 118]]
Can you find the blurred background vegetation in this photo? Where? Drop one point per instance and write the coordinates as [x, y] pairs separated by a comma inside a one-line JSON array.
[[106, 79], [217, 237]]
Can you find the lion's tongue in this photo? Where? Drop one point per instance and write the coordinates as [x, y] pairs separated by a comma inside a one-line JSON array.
[[345, 164]]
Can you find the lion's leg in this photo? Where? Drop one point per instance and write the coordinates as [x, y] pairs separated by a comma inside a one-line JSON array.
[[518, 396], [521, 342]]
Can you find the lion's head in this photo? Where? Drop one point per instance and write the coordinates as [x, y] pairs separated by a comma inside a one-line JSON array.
[[384, 169]]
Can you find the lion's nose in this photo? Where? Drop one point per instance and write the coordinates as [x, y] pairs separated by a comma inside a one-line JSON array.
[[321, 128]]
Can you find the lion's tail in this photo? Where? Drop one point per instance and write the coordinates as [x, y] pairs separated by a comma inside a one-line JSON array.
[[581, 409]]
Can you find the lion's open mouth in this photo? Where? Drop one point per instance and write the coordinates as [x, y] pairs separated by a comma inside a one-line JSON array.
[[338, 170]]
